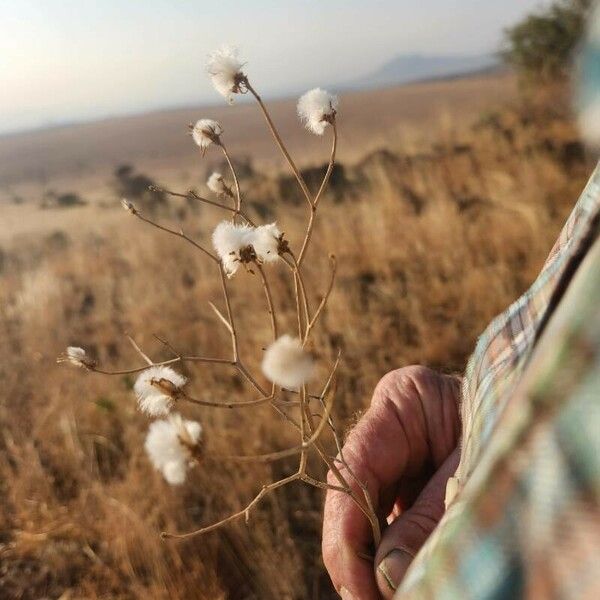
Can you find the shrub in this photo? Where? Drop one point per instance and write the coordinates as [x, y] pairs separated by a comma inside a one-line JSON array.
[[542, 45]]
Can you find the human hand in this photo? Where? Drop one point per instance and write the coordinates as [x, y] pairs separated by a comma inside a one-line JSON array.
[[403, 449]]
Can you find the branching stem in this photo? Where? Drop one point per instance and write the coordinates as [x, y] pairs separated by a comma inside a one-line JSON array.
[[178, 234], [280, 144], [238, 196]]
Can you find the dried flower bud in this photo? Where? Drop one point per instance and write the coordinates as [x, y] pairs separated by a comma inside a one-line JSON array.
[[206, 132], [217, 184], [287, 364], [77, 357], [156, 388], [172, 444], [317, 109], [128, 206], [225, 69]]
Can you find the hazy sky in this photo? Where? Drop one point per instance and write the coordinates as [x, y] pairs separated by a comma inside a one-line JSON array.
[[64, 60]]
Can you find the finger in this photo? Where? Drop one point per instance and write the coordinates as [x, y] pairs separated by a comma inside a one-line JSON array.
[[389, 440], [392, 440], [347, 547], [404, 537], [376, 452]]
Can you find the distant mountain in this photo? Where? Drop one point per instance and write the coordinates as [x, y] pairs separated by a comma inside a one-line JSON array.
[[418, 67]]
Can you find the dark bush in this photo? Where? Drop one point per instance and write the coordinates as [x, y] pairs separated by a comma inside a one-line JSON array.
[[138, 187], [542, 45]]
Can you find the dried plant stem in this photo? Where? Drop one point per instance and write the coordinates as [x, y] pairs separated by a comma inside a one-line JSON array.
[[240, 404], [301, 297], [323, 302], [266, 489], [322, 484], [280, 143], [171, 361], [178, 234], [167, 345], [367, 507], [303, 294], [302, 408], [298, 309], [192, 195], [330, 165], [234, 339], [365, 491], [310, 431], [247, 375], [300, 474], [313, 206], [238, 196], [269, 297], [139, 350]]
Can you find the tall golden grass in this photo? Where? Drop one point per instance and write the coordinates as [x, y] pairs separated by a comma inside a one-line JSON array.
[[430, 246]]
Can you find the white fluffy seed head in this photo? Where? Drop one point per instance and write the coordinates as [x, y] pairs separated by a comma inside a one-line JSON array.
[[265, 240], [171, 444], [205, 132], [225, 70], [232, 241], [77, 357], [317, 109], [217, 184], [228, 239], [156, 389], [287, 364]]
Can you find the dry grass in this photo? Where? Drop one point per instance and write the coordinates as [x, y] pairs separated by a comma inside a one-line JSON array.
[[430, 247]]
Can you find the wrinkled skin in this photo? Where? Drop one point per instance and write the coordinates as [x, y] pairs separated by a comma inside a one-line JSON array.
[[404, 448]]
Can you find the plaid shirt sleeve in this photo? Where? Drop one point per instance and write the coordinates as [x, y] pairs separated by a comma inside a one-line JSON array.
[[525, 518]]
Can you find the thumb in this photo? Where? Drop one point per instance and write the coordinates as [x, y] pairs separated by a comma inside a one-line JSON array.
[[404, 537]]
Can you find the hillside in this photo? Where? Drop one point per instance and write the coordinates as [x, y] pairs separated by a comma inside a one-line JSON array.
[[421, 67], [159, 142]]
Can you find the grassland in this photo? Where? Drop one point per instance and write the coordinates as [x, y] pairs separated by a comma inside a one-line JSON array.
[[436, 229]]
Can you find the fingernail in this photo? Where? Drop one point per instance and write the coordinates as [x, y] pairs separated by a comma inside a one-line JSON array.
[[393, 566], [345, 594]]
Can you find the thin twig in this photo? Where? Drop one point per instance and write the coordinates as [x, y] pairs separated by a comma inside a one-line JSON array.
[[323, 485], [234, 341], [297, 298], [240, 404], [330, 462], [192, 195], [269, 297], [238, 199], [179, 233], [272, 456], [313, 208], [247, 375], [303, 294], [244, 512], [221, 317], [163, 363], [329, 166], [167, 345], [139, 350], [367, 495], [280, 144], [321, 306]]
